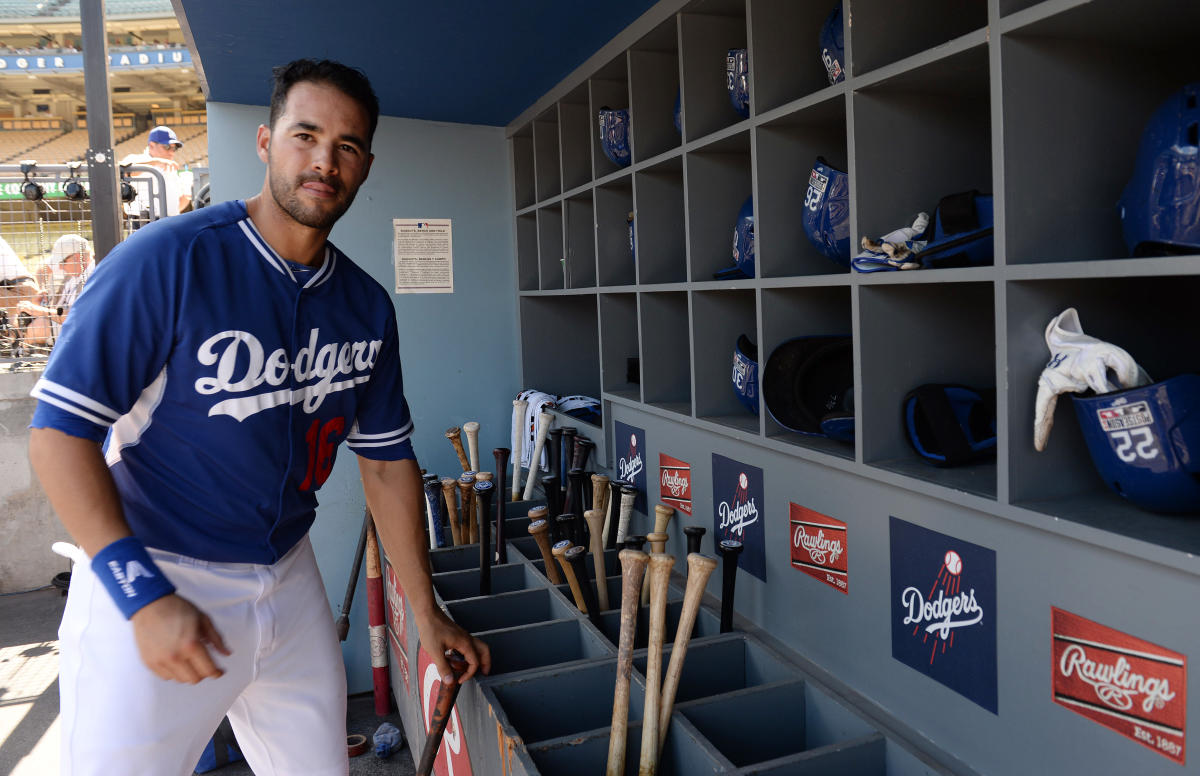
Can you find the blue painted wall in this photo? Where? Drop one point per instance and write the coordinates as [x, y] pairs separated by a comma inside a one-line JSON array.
[[459, 351]]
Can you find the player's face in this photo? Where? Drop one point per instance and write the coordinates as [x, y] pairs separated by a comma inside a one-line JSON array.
[[318, 154]]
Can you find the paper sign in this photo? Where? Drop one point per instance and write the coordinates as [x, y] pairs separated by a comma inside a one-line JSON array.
[[423, 254]]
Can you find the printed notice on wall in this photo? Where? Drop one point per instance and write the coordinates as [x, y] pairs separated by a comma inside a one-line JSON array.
[[423, 255]]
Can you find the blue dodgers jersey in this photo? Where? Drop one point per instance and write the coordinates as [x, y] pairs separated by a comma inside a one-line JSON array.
[[224, 384]]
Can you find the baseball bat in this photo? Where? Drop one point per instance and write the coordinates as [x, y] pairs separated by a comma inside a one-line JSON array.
[[471, 430], [659, 574], [600, 494], [475, 516], [343, 620], [520, 406], [567, 527], [574, 503], [568, 451], [450, 494], [555, 452], [700, 568], [611, 513], [483, 495], [635, 542], [595, 521], [662, 517], [376, 622], [466, 486], [553, 495], [658, 544], [538, 528], [446, 696], [628, 496], [560, 552], [694, 534], [454, 434], [543, 428], [433, 503], [501, 454], [633, 567], [576, 557], [730, 549]]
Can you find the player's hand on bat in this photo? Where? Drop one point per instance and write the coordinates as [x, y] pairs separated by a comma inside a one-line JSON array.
[[439, 633], [173, 637]]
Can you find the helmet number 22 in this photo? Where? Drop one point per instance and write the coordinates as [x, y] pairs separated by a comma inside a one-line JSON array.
[[1131, 445]]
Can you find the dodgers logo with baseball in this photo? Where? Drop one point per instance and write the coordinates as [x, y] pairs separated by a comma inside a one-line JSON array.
[[452, 757], [739, 510], [1124, 683], [944, 610], [820, 547], [630, 453], [675, 483]]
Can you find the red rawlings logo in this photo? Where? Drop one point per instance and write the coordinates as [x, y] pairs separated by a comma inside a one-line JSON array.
[[675, 483], [819, 547], [1129, 685]]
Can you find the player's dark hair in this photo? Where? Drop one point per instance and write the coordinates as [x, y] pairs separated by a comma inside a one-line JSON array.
[[349, 80]]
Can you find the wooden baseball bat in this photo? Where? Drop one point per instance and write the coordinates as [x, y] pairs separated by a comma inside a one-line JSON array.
[[446, 696], [450, 494], [538, 528], [595, 521], [520, 407], [659, 574], [433, 510], [574, 503], [554, 453], [568, 452], [633, 567], [475, 518], [576, 558], [543, 428], [628, 496], [567, 528], [658, 544], [466, 486], [694, 534], [662, 517], [483, 496], [343, 620], [600, 495], [700, 568], [454, 434], [560, 552], [377, 624], [612, 512], [501, 456], [730, 549], [471, 430]]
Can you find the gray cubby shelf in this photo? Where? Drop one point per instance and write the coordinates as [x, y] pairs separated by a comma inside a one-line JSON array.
[[546, 163], [718, 319], [654, 85], [608, 88], [579, 267], [666, 367], [620, 346], [614, 253], [574, 126], [718, 181], [659, 223]]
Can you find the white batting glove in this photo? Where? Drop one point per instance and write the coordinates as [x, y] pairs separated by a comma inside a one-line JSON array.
[[894, 250], [1078, 362]]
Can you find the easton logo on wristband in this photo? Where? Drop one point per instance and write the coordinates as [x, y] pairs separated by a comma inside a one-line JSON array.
[[130, 576]]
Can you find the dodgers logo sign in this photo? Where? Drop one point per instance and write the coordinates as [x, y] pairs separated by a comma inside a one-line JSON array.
[[630, 453], [944, 610], [738, 511]]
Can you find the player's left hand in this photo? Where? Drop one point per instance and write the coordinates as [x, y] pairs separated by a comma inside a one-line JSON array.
[[439, 633]]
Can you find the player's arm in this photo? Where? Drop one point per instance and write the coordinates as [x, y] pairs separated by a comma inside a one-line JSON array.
[[171, 633], [396, 498]]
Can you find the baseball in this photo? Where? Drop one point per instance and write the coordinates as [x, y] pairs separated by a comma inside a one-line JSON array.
[[743, 481], [953, 562]]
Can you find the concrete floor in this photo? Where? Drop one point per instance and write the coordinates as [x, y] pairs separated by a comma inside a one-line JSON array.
[[29, 732]]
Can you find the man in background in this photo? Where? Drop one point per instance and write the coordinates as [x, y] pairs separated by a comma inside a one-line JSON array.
[[160, 153], [66, 272]]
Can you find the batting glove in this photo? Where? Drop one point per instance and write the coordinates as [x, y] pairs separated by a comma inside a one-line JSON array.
[[1078, 363], [894, 250]]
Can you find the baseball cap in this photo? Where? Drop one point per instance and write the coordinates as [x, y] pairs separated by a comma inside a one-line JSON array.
[[67, 245], [164, 136]]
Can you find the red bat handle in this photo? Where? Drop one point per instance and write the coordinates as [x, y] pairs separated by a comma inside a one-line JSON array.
[[441, 714]]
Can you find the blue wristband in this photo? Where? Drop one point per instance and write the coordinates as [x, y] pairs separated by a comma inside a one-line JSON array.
[[130, 575]]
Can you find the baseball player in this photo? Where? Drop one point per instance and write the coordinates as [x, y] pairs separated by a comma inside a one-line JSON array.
[[221, 357]]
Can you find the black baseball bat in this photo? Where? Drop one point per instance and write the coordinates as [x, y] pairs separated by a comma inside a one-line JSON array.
[[343, 620]]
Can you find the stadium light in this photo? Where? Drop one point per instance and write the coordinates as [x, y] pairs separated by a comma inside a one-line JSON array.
[[74, 189], [31, 190]]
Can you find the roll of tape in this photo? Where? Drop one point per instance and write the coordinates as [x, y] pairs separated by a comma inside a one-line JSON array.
[[356, 744]]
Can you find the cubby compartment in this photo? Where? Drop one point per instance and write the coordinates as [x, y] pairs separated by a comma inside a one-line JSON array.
[[608, 88], [919, 136], [551, 264], [684, 753], [707, 623], [544, 644], [560, 344], [738, 727], [508, 610], [575, 137], [527, 251], [718, 319], [525, 192], [786, 149], [785, 58], [911, 335], [709, 29], [1063, 188], [718, 182], [454, 558], [722, 664], [789, 313], [546, 163], [614, 240], [579, 267], [653, 87], [539, 709], [620, 364], [866, 756], [884, 31], [456, 585], [666, 347], [659, 223], [1152, 319]]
